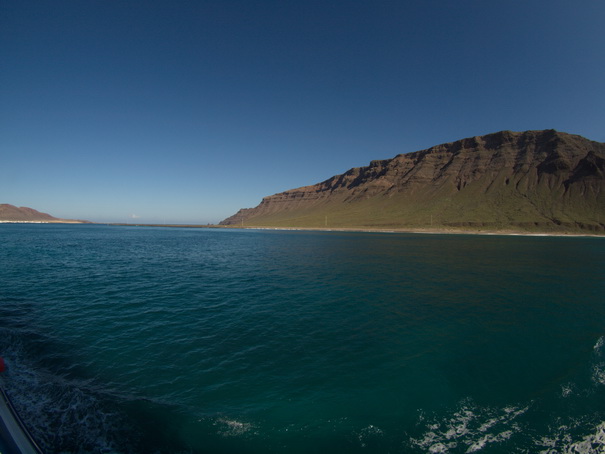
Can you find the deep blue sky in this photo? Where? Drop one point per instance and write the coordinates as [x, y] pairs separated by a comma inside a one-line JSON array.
[[186, 111]]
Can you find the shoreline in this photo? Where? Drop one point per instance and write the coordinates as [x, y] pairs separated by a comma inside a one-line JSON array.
[[61, 221], [414, 230], [433, 231], [419, 230]]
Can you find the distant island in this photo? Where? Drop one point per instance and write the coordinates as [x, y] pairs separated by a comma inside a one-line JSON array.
[[546, 181], [11, 213]]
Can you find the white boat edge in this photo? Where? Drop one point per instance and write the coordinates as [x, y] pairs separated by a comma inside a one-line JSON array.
[[20, 438]]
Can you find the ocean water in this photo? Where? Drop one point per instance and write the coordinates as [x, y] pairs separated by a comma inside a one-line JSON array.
[[142, 340]]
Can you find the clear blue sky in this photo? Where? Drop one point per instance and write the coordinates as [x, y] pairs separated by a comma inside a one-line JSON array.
[[186, 111]]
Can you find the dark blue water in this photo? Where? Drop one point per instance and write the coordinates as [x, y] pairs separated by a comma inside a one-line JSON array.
[[134, 339]]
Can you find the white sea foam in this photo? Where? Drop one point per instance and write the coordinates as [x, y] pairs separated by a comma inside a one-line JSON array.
[[598, 368], [61, 413], [368, 433], [232, 427], [469, 427], [440, 447], [598, 373], [483, 441], [592, 443], [562, 442], [567, 390]]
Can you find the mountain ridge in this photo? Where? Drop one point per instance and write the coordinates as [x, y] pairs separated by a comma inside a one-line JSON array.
[[544, 179], [12, 213]]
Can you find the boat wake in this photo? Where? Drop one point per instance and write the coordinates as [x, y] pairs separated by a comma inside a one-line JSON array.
[[63, 414], [472, 428], [469, 429]]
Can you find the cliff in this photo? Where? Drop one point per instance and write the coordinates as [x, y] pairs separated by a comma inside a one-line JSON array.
[[11, 213], [546, 180]]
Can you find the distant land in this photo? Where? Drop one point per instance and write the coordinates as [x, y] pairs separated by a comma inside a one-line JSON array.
[[532, 181], [11, 213]]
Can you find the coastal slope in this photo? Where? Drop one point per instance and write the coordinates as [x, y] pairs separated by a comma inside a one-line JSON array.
[[11, 213], [533, 180]]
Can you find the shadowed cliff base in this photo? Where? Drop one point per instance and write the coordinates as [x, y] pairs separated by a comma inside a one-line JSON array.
[[533, 181]]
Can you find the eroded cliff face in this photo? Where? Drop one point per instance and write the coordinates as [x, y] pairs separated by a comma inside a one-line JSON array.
[[506, 177]]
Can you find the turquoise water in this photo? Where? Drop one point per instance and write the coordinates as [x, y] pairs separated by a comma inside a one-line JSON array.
[[134, 339]]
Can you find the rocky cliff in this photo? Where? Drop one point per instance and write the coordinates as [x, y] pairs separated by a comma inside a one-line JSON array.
[[533, 179]]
